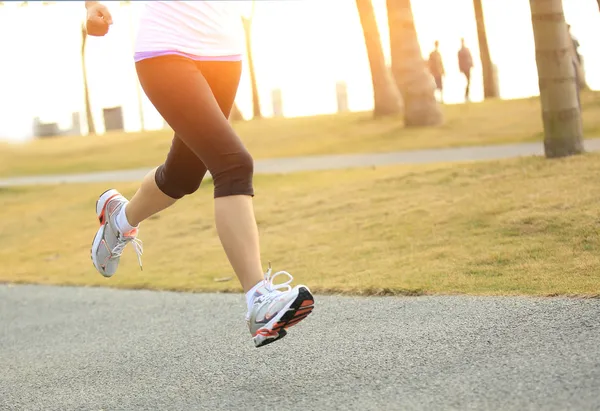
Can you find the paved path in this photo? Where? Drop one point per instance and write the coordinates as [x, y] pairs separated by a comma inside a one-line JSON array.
[[328, 162], [65, 348]]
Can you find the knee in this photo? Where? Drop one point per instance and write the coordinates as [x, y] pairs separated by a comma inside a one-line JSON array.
[[234, 175], [177, 184]]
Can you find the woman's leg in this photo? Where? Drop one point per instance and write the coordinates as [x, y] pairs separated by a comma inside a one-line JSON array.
[[184, 92], [180, 175], [191, 97], [147, 201]]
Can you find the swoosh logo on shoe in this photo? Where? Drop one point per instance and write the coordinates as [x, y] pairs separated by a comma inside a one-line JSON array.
[[268, 315]]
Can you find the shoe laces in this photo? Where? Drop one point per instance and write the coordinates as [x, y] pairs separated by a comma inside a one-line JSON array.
[[274, 290], [270, 278], [137, 247]]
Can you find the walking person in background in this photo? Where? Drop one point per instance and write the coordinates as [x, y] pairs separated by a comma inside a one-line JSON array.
[[465, 64], [576, 44], [577, 60], [436, 68], [188, 57]]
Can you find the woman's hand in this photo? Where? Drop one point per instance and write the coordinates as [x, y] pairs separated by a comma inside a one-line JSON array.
[[98, 18]]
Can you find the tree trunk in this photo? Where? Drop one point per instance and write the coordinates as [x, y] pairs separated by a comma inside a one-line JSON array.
[[236, 114], [256, 112], [490, 88], [387, 99], [88, 108], [559, 93], [410, 71]]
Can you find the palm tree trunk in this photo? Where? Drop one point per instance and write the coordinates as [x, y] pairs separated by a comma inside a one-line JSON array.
[[256, 112], [88, 108], [387, 99], [490, 89], [559, 94], [410, 71]]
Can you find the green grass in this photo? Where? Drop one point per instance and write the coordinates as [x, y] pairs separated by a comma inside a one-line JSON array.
[[491, 122], [514, 227]]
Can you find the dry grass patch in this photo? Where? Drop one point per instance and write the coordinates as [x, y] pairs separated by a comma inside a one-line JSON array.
[[516, 227]]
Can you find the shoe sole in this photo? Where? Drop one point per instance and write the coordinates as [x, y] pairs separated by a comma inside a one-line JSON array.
[[100, 209], [296, 311]]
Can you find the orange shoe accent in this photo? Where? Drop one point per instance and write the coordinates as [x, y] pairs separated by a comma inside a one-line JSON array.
[[298, 316], [296, 320], [307, 303], [131, 233], [266, 333], [101, 217]]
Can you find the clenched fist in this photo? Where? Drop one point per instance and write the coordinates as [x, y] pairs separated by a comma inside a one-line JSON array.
[[98, 18]]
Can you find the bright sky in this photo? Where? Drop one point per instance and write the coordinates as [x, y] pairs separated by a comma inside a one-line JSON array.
[[301, 46]]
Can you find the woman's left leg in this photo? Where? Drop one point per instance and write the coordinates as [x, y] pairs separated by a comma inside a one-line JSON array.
[[186, 95]]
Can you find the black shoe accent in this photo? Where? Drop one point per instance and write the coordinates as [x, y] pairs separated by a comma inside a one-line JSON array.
[[294, 315]]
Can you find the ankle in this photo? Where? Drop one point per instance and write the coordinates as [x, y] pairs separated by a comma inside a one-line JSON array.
[[254, 292], [129, 214], [122, 221]]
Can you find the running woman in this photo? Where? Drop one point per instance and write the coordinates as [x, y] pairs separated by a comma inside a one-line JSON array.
[[188, 58]]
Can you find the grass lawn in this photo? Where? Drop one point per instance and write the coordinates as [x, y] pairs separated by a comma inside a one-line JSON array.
[[491, 122], [524, 226]]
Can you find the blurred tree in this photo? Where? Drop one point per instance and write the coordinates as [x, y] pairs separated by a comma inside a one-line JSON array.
[[490, 88], [88, 107], [387, 99], [559, 93], [409, 68], [247, 21]]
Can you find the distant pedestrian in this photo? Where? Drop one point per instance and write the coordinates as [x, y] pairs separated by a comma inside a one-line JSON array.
[[436, 68], [577, 60], [465, 64], [576, 44]]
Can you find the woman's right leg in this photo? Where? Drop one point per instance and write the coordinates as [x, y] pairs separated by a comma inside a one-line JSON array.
[[187, 95]]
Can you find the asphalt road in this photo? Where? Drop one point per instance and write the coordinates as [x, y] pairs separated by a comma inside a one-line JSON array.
[[64, 348], [320, 162]]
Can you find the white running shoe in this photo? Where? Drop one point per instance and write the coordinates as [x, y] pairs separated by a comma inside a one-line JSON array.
[[109, 242], [274, 311]]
